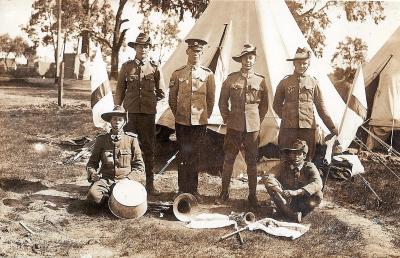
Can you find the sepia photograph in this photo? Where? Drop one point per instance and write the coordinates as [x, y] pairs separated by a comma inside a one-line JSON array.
[[199, 128]]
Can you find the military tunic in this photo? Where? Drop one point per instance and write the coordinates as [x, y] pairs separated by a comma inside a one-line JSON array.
[[192, 95], [118, 158], [191, 99], [243, 104], [294, 102], [138, 88], [286, 177]]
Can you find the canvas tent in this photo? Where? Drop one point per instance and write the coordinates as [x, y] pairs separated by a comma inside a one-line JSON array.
[[267, 24], [382, 82]]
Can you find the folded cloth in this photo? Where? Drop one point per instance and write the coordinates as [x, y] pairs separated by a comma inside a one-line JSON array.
[[279, 228], [210, 220], [346, 166]]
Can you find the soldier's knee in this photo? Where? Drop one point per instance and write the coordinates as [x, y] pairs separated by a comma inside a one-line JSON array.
[[95, 195], [314, 202]]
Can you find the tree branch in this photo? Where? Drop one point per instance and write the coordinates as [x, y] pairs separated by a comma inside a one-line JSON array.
[[121, 38], [98, 37]]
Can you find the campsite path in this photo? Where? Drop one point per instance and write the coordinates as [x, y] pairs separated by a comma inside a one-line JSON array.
[[378, 240]]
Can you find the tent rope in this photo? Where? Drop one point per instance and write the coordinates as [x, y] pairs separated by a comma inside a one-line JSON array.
[[380, 141], [359, 142]]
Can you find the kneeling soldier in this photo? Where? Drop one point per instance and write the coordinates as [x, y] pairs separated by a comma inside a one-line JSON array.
[[119, 154], [295, 184]]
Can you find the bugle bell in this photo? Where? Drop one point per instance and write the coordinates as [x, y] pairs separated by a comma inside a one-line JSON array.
[[185, 207]]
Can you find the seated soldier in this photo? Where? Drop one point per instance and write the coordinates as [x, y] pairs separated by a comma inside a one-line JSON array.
[[119, 154], [295, 184]]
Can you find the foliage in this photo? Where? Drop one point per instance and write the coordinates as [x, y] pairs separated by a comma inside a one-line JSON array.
[[179, 7], [313, 19], [18, 46], [350, 53], [96, 20], [163, 32]]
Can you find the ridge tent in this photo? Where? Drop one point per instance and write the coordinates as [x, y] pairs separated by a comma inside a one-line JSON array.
[[382, 82], [268, 25]]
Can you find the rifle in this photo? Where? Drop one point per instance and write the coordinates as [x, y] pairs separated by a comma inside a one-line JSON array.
[[237, 232], [168, 162]]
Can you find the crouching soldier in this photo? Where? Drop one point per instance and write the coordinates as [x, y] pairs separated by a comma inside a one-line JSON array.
[[119, 154], [295, 184]]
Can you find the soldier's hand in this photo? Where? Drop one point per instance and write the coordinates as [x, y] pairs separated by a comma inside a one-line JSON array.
[[94, 177], [160, 94], [289, 193], [335, 131]]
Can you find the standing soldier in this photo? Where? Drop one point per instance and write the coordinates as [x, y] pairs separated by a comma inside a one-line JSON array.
[[248, 96], [138, 87], [294, 103], [191, 98], [117, 152]]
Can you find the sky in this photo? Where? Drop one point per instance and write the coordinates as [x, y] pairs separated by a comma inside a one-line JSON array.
[[14, 13]]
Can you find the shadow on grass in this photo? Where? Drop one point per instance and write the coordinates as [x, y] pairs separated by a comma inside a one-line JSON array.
[[21, 185]]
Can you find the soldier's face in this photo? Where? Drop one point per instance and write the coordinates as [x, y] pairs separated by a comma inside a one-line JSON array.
[[296, 157], [248, 61], [117, 122], [301, 65], [193, 56], [142, 51]]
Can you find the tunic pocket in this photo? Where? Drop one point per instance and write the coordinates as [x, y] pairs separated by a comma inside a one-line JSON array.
[[124, 158]]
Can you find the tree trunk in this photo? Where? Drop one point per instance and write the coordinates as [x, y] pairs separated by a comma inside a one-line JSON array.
[[114, 62], [85, 42]]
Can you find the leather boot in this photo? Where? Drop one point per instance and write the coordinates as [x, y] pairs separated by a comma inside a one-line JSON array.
[[222, 198], [288, 212], [252, 189]]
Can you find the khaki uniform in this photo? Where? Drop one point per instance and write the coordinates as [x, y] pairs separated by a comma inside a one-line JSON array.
[[192, 95], [286, 177], [248, 96], [294, 102], [117, 158], [191, 99], [243, 103], [138, 88]]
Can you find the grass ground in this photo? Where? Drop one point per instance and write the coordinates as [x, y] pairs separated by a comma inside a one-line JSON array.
[[49, 197]]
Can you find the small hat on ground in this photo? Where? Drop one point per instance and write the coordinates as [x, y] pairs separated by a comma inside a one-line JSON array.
[[196, 44], [301, 54], [117, 111], [298, 145], [142, 39], [247, 49]]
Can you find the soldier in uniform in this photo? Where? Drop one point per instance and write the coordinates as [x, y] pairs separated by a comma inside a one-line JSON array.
[[294, 103], [295, 185], [138, 87], [119, 154], [243, 104], [191, 98]]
